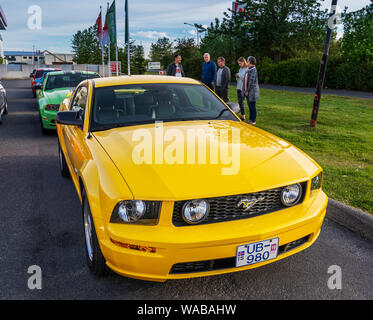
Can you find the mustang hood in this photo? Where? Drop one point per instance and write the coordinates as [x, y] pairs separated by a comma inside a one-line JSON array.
[[57, 95], [195, 159]]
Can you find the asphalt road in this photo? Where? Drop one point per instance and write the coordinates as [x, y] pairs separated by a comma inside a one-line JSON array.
[[41, 225]]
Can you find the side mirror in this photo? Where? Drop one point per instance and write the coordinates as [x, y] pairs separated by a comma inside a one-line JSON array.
[[69, 118], [235, 107]]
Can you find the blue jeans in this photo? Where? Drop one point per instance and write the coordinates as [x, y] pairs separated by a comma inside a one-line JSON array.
[[252, 108]]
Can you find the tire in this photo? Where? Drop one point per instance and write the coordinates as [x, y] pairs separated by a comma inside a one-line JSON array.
[[63, 165], [42, 129], [95, 259], [6, 107], [1, 118]]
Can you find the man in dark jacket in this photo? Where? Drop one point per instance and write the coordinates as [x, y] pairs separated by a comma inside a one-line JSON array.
[[176, 69], [223, 79], [208, 71]]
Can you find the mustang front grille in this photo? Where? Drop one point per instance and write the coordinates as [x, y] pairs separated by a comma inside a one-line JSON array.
[[227, 208]]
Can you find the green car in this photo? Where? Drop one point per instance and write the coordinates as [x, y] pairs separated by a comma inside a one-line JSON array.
[[53, 90]]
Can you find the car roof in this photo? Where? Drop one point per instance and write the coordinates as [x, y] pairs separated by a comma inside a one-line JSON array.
[[47, 69], [71, 72], [123, 80]]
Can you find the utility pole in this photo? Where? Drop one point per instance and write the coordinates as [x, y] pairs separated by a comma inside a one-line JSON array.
[[324, 61]]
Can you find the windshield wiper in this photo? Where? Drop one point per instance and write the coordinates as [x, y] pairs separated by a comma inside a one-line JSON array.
[[221, 113], [108, 127]]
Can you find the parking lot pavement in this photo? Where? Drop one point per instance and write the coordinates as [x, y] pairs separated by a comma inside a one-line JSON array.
[[42, 225]]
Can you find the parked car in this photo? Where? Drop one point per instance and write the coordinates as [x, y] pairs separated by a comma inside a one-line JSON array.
[[153, 210], [3, 103], [36, 78], [54, 88]]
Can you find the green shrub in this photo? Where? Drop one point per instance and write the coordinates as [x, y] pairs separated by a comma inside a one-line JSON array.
[[340, 73]]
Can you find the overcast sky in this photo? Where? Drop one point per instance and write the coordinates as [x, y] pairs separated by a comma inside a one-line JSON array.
[[149, 20]]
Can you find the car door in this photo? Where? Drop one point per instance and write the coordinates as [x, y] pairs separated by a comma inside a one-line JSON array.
[[74, 136]]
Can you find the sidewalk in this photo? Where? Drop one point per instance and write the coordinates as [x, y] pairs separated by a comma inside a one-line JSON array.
[[344, 93]]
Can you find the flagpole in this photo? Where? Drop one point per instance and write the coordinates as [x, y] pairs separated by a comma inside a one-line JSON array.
[[116, 41], [109, 69], [128, 40], [102, 45]]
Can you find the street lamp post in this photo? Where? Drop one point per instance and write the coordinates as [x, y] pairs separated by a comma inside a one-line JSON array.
[[199, 28]]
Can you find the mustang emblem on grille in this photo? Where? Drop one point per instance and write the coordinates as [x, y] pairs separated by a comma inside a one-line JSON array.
[[247, 204]]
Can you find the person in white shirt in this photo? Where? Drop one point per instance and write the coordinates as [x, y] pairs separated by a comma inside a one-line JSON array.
[[176, 69], [240, 77]]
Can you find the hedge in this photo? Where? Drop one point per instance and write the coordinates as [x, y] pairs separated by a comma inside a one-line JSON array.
[[340, 73]]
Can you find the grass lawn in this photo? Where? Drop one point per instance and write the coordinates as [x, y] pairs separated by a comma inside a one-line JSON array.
[[342, 142]]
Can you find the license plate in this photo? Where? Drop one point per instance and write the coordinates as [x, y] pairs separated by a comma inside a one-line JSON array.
[[256, 252]]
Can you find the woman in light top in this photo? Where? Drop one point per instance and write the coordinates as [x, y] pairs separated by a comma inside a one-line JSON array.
[[240, 77]]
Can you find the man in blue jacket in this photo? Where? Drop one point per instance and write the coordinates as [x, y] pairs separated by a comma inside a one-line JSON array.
[[208, 71]]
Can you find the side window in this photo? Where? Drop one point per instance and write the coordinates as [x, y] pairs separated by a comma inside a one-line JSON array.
[[80, 101]]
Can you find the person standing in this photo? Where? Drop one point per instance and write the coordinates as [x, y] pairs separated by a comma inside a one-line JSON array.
[[240, 77], [251, 88], [208, 71], [223, 79], [176, 69]]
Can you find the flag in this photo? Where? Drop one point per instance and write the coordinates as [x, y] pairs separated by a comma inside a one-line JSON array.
[[99, 28], [126, 36], [105, 35], [111, 23]]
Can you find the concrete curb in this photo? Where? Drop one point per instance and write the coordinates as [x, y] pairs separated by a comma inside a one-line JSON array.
[[351, 218]]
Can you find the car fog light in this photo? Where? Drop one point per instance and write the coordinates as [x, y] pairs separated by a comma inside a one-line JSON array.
[[195, 211], [290, 195], [131, 211]]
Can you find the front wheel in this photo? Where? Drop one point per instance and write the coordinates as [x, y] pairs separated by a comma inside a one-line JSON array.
[[95, 259], [63, 165], [6, 108]]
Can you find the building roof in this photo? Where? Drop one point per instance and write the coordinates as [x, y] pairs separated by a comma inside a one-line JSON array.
[[20, 53]]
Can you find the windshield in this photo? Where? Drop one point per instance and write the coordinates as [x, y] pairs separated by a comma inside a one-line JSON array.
[[67, 80], [41, 73], [146, 103]]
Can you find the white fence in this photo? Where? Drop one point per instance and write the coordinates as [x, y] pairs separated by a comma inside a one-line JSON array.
[[22, 71]]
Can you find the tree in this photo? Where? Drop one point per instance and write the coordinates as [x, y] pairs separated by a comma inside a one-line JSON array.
[[357, 41], [278, 29], [86, 46], [161, 51], [191, 55], [139, 59]]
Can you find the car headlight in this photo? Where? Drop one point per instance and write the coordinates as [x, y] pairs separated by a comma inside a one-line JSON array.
[[136, 212], [316, 182], [52, 107], [195, 211], [291, 195]]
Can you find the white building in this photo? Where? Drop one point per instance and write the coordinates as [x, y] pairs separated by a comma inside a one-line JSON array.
[[58, 58]]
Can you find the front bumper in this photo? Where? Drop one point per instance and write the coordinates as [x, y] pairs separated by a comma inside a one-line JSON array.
[[211, 242], [48, 119]]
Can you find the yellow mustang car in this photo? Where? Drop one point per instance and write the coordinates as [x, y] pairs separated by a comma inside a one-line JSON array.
[[174, 185]]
